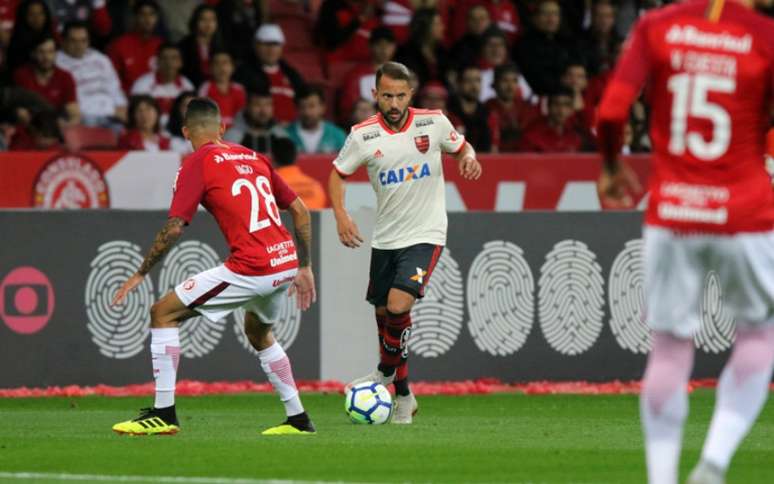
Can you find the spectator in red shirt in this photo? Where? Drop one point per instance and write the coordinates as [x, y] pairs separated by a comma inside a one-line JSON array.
[[576, 79], [134, 53], [425, 53], [554, 133], [43, 77], [513, 113], [166, 83], [476, 124], [144, 132], [33, 21], [202, 40], [267, 71], [42, 134], [230, 96], [343, 28], [362, 79]]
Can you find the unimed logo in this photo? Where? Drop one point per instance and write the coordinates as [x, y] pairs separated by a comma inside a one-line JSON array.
[[26, 300]]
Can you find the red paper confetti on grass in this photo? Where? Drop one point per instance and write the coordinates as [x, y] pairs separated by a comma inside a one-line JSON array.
[[468, 387]]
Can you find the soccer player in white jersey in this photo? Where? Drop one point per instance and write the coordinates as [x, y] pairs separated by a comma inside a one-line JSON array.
[[402, 149]]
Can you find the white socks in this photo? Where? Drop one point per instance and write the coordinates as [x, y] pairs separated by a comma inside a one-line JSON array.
[[165, 352], [664, 405], [742, 390], [276, 365]]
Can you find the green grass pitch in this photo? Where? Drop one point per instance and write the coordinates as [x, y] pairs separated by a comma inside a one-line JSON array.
[[492, 438]]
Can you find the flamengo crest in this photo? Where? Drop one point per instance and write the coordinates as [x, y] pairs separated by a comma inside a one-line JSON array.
[[422, 142]]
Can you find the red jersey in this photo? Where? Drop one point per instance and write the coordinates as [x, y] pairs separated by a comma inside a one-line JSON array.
[[282, 94], [59, 90], [230, 103], [133, 55], [243, 192], [709, 68]]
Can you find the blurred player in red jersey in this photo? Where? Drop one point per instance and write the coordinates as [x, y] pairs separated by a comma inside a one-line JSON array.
[[709, 69], [244, 194]]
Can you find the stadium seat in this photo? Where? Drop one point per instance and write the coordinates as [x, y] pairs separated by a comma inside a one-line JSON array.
[[89, 138], [298, 33]]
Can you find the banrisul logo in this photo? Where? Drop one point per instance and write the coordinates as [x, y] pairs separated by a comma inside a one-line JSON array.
[[405, 174]]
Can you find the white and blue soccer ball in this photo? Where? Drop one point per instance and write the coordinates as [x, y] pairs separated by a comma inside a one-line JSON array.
[[369, 403]]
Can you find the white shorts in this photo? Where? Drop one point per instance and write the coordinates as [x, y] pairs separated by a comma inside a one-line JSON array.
[[678, 266], [217, 292]]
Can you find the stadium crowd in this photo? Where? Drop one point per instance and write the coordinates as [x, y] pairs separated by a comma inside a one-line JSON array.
[[511, 75]]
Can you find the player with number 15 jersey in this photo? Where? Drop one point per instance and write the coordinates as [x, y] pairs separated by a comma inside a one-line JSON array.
[[708, 68]]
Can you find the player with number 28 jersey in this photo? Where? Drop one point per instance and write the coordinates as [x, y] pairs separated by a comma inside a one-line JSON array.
[[244, 194], [708, 69]]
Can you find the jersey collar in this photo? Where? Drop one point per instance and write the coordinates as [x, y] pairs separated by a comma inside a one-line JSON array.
[[405, 127]]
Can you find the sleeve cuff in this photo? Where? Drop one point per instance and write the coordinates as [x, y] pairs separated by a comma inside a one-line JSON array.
[[341, 173], [462, 147]]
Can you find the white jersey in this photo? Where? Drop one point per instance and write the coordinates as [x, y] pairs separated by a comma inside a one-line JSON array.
[[406, 173], [98, 86]]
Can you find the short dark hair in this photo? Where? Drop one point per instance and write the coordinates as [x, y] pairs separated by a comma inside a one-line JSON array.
[[467, 67], [503, 69], [40, 40], [75, 24], [167, 46], [381, 33], [309, 91], [200, 111], [283, 150], [393, 70], [145, 3], [560, 92], [260, 91], [221, 51]]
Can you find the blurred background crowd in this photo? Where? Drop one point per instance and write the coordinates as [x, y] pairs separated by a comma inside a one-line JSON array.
[[511, 75]]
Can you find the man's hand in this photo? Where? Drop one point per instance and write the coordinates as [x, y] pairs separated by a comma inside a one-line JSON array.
[[303, 288], [130, 284], [470, 168], [615, 188], [349, 234]]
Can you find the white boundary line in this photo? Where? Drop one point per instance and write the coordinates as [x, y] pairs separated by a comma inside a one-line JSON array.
[[63, 476]]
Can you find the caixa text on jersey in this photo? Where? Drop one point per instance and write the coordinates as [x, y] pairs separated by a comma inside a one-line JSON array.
[[404, 174]]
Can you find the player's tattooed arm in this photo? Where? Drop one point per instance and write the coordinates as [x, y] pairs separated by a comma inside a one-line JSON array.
[[165, 239], [302, 222]]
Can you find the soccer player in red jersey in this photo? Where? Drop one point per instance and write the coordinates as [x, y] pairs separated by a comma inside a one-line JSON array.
[[709, 70], [244, 194]]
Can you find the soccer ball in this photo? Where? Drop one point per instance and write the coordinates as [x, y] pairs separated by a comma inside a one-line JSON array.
[[368, 403]]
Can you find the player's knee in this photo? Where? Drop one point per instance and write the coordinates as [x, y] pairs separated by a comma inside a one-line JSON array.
[[399, 306]]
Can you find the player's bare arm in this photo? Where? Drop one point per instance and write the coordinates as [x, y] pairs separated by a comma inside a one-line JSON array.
[[349, 234], [165, 239], [617, 181], [303, 284], [469, 166]]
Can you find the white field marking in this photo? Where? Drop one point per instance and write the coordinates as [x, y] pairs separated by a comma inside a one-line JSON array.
[[63, 476]]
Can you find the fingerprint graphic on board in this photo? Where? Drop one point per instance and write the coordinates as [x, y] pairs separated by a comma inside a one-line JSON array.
[[500, 298], [437, 318], [571, 298], [118, 331], [198, 336], [285, 329], [717, 326], [626, 299]]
